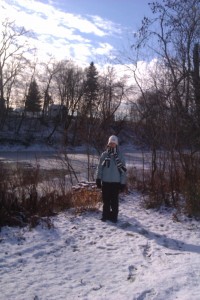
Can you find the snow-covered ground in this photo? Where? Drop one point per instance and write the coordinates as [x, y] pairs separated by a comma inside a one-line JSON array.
[[146, 255]]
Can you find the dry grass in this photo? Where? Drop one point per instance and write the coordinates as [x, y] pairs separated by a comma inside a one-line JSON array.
[[175, 185], [25, 200], [85, 195]]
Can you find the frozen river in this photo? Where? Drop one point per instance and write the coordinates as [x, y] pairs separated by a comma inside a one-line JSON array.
[[54, 163], [54, 159]]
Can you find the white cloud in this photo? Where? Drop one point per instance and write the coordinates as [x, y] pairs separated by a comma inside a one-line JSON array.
[[106, 25], [103, 48], [61, 33]]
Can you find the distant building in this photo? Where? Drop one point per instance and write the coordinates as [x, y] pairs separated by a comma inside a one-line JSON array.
[[57, 110]]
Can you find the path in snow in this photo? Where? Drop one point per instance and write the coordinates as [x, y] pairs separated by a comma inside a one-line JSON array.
[[144, 256]]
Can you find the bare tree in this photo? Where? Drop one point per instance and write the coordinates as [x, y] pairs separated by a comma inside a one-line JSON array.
[[172, 36], [196, 79], [13, 47], [68, 84], [112, 92], [48, 85], [177, 32]]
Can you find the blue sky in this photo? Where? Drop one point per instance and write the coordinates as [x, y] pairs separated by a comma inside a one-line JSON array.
[[83, 30]]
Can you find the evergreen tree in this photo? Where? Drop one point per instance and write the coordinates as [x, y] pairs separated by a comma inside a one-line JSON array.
[[33, 99], [90, 108], [91, 90]]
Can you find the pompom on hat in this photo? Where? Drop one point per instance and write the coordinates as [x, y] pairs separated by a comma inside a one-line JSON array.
[[113, 139]]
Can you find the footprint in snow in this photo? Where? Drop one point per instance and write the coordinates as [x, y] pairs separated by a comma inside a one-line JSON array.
[[148, 294], [147, 251], [39, 254], [132, 273], [125, 225]]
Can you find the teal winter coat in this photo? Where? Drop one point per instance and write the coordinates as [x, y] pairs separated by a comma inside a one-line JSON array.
[[110, 173]]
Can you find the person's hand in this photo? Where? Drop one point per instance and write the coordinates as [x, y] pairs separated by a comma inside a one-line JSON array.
[[122, 188], [98, 183]]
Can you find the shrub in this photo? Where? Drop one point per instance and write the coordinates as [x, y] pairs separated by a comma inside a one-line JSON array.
[[24, 200], [174, 182], [85, 195]]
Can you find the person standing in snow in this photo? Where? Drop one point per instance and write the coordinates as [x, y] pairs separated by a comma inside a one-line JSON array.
[[111, 178]]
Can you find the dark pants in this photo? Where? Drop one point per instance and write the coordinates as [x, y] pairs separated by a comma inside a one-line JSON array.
[[110, 195]]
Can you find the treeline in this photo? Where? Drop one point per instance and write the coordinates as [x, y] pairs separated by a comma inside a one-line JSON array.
[[58, 90], [80, 101]]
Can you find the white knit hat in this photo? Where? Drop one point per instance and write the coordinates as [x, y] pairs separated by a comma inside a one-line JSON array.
[[113, 139]]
